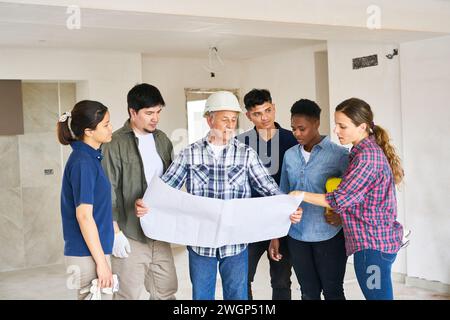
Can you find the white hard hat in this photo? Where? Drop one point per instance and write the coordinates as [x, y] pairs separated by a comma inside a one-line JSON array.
[[222, 101]]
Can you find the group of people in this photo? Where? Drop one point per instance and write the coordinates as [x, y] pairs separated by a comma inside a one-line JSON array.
[[107, 175]]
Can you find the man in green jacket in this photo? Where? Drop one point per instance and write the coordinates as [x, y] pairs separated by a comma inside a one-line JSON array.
[[138, 151]]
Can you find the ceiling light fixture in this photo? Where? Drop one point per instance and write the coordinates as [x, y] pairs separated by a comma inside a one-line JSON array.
[[215, 63]]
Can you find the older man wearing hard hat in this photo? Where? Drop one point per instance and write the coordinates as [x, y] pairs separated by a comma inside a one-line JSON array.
[[219, 166]]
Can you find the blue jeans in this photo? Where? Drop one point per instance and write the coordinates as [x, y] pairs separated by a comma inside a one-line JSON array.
[[233, 271], [373, 271]]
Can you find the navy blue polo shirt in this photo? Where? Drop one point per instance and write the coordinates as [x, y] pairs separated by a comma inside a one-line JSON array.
[[270, 152], [84, 182]]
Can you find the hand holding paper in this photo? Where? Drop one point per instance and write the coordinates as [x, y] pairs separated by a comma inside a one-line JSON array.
[[296, 216], [140, 208], [179, 217]]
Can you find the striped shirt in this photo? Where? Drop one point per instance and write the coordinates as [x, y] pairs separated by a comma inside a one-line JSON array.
[[231, 176], [366, 201]]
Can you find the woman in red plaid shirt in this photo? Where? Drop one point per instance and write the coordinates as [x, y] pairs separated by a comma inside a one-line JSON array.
[[365, 199]]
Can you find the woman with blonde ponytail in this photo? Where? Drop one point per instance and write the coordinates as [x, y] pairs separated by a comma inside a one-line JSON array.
[[366, 198], [86, 206]]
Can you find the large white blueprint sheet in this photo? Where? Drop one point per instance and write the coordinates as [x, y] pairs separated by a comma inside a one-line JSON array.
[[179, 217]]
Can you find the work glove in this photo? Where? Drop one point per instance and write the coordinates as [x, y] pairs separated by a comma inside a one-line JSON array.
[[95, 293], [121, 246]]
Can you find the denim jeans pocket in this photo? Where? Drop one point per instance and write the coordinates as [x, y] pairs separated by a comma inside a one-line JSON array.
[[389, 257]]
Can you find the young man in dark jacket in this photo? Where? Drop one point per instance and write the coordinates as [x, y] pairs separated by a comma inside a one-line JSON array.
[[270, 141]]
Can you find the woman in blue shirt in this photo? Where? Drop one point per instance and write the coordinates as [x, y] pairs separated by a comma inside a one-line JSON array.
[[316, 245], [86, 196]]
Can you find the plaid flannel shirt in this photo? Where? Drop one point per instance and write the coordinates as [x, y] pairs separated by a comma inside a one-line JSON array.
[[366, 201], [230, 177]]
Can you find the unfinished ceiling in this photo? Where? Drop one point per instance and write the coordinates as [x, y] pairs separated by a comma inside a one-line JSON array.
[[44, 26]]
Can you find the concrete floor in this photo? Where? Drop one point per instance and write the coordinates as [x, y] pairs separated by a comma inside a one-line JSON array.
[[49, 283]]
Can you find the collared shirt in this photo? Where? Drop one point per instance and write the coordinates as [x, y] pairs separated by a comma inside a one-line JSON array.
[[84, 182], [366, 201], [327, 160], [229, 177], [271, 152]]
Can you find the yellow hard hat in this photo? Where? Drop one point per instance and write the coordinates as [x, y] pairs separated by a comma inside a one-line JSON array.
[[332, 184]]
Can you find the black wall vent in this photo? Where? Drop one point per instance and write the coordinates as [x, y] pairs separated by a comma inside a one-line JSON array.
[[364, 62]]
